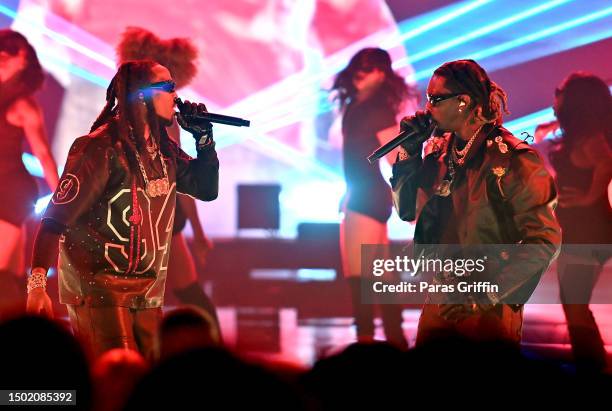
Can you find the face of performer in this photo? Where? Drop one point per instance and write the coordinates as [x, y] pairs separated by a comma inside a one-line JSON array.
[[448, 109], [163, 92], [367, 80], [10, 64]]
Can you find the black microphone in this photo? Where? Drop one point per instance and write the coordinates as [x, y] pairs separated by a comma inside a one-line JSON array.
[[399, 139], [212, 117]]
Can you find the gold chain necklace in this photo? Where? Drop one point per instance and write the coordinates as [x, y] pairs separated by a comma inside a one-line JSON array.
[[159, 186], [459, 155]]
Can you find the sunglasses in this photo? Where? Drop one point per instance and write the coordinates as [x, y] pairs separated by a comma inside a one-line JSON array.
[[169, 86], [434, 99]]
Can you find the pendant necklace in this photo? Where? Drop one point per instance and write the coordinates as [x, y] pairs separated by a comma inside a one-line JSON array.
[[457, 158], [157, 187], [444, 188]]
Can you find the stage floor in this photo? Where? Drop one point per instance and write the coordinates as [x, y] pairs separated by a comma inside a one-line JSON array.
[[280, 335]]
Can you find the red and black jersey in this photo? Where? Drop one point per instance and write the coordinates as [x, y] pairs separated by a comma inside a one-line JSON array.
[[94, 201]]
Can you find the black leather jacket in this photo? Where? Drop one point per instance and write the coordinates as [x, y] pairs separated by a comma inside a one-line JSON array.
[[503, 194]]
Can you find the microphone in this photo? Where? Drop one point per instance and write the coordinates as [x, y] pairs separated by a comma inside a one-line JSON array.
[[399, 139], [212, 117]]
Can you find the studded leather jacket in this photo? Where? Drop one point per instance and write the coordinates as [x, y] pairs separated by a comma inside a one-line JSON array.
[[115, 225], [502, 194]]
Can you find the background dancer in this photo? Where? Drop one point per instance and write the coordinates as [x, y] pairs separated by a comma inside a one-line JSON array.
[[371, 95]]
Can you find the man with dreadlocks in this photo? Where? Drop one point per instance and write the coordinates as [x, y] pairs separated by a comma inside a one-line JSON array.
[[482, 186], [113, 210], [178, 55]]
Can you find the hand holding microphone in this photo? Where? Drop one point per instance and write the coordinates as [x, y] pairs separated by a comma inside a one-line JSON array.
[[193, 112], [189, 118], [420, 126], [414, 130]]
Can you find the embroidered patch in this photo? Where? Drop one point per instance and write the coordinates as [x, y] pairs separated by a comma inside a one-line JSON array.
[[435, 145], [489, 143], [503, 148], [499, 171], [498, 139], [67, 190]]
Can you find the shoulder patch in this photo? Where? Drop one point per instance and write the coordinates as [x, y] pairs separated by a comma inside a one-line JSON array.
[[500, 146], [67, 190], [502, 143]]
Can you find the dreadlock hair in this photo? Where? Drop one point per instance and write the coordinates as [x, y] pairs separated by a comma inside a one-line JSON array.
[[178, 55], [123, 109], [28, 80], [394, 88], [466, 76]]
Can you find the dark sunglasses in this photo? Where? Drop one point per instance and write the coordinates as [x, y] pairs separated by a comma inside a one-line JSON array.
[[168, 86], [434, 99]]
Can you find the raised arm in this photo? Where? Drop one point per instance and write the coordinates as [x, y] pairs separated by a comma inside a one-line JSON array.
[[197, 177]]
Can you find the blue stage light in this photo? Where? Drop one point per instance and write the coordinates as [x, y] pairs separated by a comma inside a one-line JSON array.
[[479, 33]]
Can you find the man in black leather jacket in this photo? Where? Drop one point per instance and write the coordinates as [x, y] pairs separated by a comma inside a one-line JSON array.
[[482, 186]]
